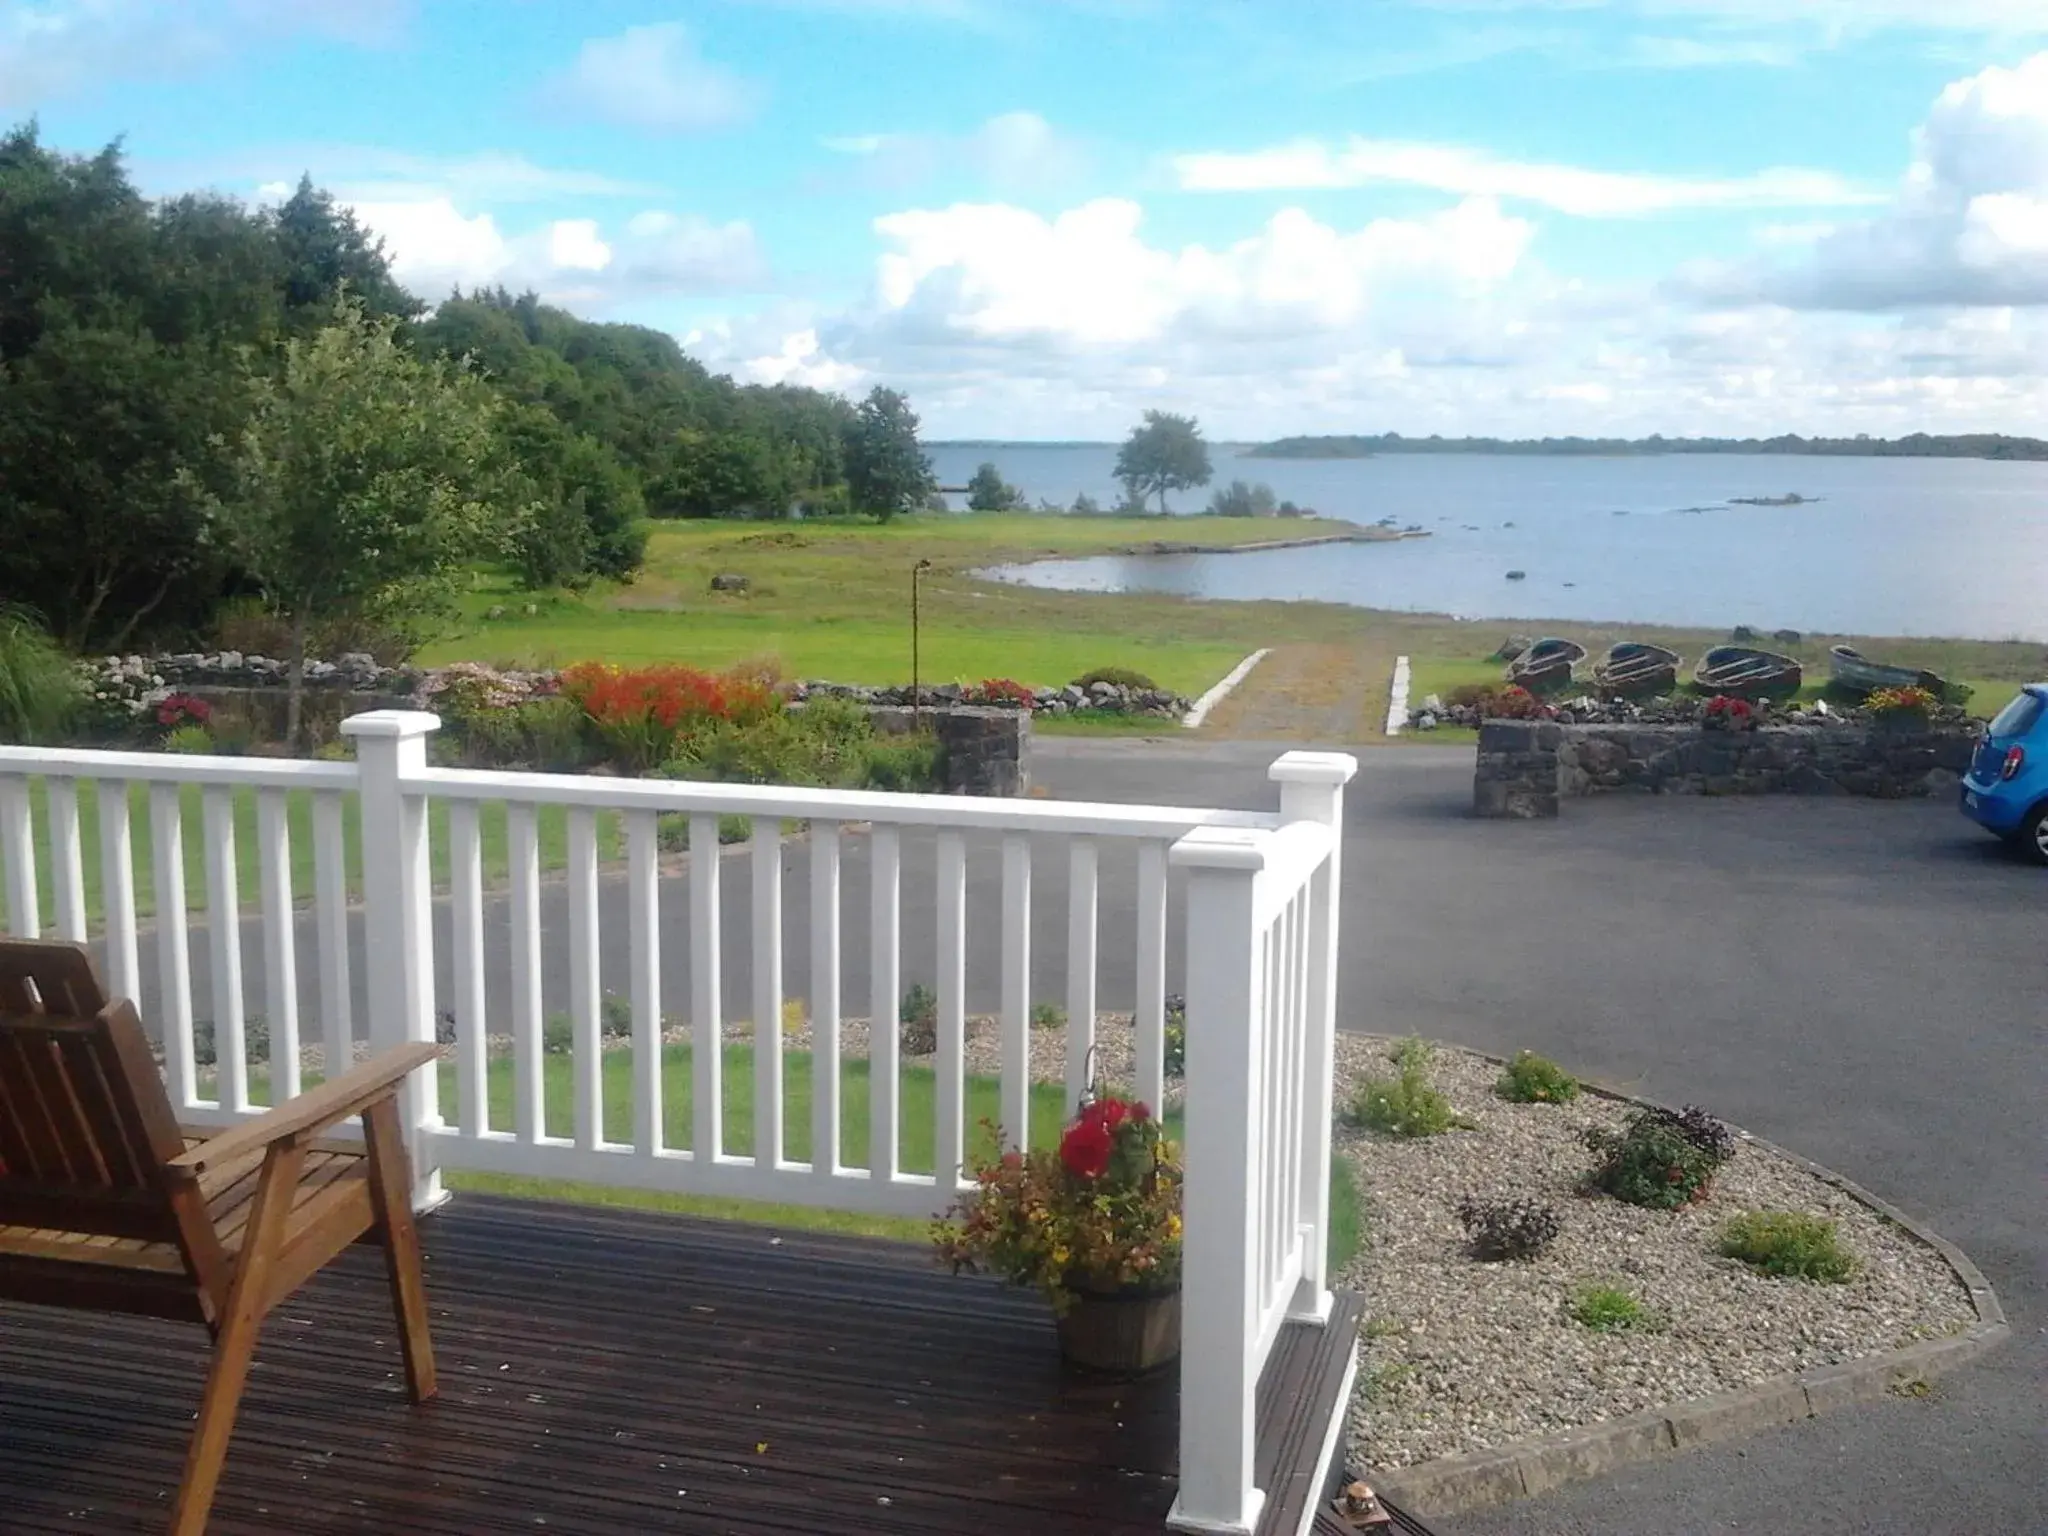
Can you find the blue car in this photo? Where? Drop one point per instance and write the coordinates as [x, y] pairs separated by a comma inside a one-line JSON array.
[[2006, 789]]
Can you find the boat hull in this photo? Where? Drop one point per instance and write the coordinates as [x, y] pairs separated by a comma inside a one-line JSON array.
[[1635, 671], [1546, 667], [1741, 673], [1851, 672]]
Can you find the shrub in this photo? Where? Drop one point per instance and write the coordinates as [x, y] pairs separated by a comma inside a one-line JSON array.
[[1607, 1309], [1901, 701], [904, 763], [1003, 692], [1240, 499], [919, 1013], [1728, 714], [176, 709], [1404, 1105], [1120, 677], [1507, 1229], [195, 739], [1533, 1079], [1047, 1016], [41, 693], [558, 1035], [1176, 1036], [255, 1041], [614, 1017], [1660, 1159], [639, 715], [1788, 1245], [556, 733]]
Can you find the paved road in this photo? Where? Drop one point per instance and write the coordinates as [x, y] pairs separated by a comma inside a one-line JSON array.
[[1860, 981], [1857, 980]]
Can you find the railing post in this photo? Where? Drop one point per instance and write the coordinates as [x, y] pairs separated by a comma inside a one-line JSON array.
[[391, 748], [1312, 789], [1219, 1373]]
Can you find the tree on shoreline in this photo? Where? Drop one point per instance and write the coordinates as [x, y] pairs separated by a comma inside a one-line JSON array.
[[989, 492], [886, 472], [1166, 453]]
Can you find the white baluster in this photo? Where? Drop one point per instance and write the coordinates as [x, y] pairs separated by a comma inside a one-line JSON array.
[[224, 946], [768, 1149], [1081, 898], [529, 1087], [825, 998], [949, 1061], [1220, 1373], [330, 888], [643, 937], [117, 890], [466, 954], [173, 944], [707, 995], [1016, 995], [280, 948], [18, 843], [1148, 1031], [1312, 789], [587, 1043], [67, 863], [885, 981]]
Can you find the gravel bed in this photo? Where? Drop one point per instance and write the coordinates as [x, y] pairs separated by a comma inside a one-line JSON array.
[[1460, 1356]]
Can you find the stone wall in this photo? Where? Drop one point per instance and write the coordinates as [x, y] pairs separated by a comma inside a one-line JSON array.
[[1526, 767], [988, 751]]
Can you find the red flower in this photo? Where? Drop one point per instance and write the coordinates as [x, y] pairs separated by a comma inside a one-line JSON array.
[[1087, 1145]]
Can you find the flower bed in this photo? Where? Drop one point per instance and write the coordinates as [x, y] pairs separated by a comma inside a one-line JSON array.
[[1462, 1355]]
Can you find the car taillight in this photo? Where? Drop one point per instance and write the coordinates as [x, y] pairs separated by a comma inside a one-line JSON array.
[[2015, 759]]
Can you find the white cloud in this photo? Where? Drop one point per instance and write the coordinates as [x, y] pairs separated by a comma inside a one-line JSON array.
[[370, 174], [1087, 278], [1968, 224], [1011, 152], [435, 246], [59, 48], [1831, 18], [654, 78], [1309, 164]]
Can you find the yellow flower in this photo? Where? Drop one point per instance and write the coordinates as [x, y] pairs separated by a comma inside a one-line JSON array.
[[1173, 1226], [1060, 1256]]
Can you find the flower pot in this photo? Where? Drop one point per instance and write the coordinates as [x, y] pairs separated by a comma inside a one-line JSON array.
[[1121, 1333]]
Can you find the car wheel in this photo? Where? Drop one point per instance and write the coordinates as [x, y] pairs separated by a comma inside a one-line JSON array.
[[2033, 838]]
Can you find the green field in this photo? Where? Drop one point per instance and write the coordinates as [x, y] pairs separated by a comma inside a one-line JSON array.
[[833, 601]]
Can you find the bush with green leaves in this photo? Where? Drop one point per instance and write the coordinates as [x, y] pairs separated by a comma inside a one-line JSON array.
[[1404, 1105], [1507, 1228], [41, 693], [1047, 1016], [1660, 1159], [904, 764], [1607, 1309], [1533, 1079], [919, 1015], [1176, 1036], [1117, 677], [1788, 1245], [193, 740]]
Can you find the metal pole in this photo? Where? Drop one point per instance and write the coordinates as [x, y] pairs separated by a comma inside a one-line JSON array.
[[916, 687]]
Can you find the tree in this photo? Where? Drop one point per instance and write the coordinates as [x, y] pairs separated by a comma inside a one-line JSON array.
[[367, 479], [1165, 454], [886, 472], [325, 250], [989, 492], [584, 507]]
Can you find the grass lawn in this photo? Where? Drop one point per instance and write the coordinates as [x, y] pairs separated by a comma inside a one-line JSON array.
[[832, 600]]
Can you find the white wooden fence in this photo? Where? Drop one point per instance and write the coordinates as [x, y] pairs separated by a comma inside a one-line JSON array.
[[1261, 893]]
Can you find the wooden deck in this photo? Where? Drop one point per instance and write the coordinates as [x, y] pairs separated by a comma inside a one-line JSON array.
[[609, 1372]]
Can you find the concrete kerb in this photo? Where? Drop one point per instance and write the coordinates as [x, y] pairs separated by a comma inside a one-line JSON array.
[[1454, 1483]]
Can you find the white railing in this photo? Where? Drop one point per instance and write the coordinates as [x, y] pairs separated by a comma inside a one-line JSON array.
[[1261, 908]]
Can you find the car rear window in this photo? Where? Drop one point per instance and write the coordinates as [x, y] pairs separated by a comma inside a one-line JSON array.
[[2018, 717]]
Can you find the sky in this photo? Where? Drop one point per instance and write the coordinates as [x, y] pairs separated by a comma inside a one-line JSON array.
[[1040, 217]]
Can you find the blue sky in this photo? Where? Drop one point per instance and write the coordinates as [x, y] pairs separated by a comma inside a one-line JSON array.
[[1495, 216]]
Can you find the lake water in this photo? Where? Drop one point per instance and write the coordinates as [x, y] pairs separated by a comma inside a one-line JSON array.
[[1952, 547]]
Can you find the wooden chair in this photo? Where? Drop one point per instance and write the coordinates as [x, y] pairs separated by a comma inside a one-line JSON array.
[[106, 1204]]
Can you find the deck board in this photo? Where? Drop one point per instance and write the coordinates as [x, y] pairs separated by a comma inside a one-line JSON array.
[[601, 1372]]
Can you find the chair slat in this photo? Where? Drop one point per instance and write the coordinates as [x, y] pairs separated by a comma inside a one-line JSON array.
[[33, 1116]]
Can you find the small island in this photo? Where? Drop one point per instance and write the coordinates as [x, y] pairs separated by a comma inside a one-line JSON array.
[[1917, 445], [1789, 499]]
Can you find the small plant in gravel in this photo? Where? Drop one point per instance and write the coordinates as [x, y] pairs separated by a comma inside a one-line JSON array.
[[614, 1016], [1533, 1079], [1660, 1159], [1607, 1309], [1507, 1229], [1176, 1036], [1788, 1245], [1382, 1380], [920, 1018], [1047, 1016], [1412, 1055], [1404, 1106]]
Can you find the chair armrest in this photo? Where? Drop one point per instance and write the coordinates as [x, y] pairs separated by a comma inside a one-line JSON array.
[[311, 1112]]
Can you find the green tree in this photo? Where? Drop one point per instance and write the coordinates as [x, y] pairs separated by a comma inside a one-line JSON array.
[[368, 478], [584, 513], [325, 250], [989, 492], [1239, 499], [886, 472], [1165, 454]]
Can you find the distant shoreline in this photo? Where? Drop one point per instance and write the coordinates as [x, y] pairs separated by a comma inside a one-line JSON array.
[[1919, 445]]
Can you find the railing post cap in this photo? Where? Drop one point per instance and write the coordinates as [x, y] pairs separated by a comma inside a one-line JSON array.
[[391, 724], [1332, 768], [1231, 848]]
